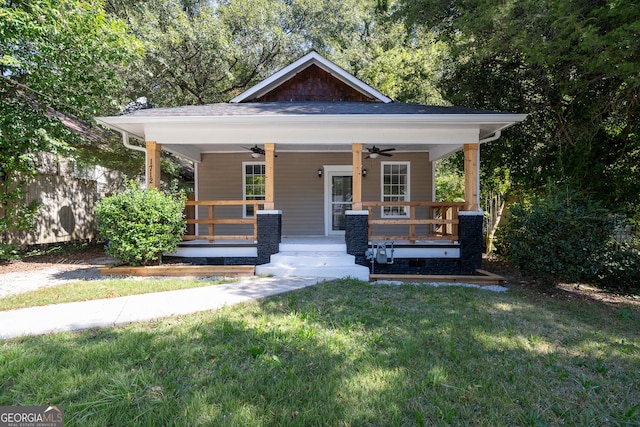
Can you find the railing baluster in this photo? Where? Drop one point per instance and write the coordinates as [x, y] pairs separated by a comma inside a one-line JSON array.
[[211, 217], [442, 220], [211, 220], [412, 227]]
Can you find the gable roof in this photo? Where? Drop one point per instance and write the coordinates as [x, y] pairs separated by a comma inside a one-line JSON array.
[[277, 110], [312, 58]]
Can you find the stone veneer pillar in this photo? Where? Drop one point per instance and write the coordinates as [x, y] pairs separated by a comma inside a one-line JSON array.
[[269, 234], [470, 237], [356, 235]]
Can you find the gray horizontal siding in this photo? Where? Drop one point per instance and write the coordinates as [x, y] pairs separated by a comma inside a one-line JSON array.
[[299, 193]]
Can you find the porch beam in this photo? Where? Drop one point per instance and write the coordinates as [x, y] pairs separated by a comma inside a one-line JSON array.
[[153, 164], [471, 182], [356, 201], [269, 190]]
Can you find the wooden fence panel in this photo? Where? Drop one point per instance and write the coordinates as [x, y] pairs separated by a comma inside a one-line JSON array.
[[67, 213]]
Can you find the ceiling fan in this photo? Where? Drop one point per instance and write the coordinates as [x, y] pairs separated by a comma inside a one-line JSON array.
[[257, 151], [374, 152]]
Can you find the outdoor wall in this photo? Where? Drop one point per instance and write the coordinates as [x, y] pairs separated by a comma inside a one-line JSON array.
[[67, 213], [299, 192], [313, 84], [420, 186]]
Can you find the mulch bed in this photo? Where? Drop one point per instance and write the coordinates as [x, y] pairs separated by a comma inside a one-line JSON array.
[[64, 257]]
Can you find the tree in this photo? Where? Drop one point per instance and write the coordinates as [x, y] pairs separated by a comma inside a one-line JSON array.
[[55, 56], [573, 66], [200, 52]]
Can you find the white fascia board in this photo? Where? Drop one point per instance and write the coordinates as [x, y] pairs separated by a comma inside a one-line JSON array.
[[504, 120], [312, 58], [132, 128], [319, 133]]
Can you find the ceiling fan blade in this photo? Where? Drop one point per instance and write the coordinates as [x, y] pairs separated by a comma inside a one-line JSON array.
[[386, 149], [385, 154], [255, 149]]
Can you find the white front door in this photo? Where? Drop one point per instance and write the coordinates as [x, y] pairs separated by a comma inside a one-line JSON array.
[[338, 190]]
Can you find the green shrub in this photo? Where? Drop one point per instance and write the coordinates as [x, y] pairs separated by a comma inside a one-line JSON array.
[[558, 237], [619, 269], [140, 225], [9, 251]]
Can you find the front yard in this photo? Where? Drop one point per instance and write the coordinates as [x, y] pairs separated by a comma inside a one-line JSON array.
[[346, 353]]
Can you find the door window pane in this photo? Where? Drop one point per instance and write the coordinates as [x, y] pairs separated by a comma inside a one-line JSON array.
[[340, 201]]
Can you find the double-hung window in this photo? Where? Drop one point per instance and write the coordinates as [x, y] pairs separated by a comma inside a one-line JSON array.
[[253, 177], [395, 188]]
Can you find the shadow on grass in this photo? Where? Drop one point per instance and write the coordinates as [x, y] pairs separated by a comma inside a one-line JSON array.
[[343, 353]]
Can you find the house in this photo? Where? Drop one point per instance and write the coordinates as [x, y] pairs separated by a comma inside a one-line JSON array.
[[314, 172]]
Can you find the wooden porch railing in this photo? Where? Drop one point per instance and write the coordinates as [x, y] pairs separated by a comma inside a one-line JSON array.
[[441, 217], [212, 221]]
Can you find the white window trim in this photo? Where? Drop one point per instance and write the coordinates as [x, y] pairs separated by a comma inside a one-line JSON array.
[[408, 195], [244, 183]]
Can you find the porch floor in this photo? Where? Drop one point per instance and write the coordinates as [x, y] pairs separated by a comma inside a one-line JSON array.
[[311, 240]]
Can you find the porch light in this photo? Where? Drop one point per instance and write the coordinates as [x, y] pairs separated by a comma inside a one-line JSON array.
[[373, 155], [255, 155], [320, 173], [364, 173]]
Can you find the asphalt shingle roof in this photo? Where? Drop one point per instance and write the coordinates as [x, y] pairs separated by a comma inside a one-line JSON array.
[[301, 108]]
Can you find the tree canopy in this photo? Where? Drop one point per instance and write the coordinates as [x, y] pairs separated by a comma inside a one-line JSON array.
[[573, 66], [55, 56]]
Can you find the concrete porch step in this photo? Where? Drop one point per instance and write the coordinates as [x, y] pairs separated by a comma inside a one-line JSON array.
[[313, 247], [313, 263], [313, 259], [325, 272]]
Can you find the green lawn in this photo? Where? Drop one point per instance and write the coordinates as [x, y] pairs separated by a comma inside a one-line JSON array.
[[86, 290], [345, 353]]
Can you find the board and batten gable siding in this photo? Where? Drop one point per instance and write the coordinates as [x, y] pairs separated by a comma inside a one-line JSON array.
[[299, 192], [314, 84]]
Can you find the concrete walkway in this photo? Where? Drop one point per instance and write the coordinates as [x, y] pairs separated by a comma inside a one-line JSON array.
[[136, 308]]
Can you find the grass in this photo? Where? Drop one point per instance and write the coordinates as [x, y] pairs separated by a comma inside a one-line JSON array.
[[87, 290], [345, 353]]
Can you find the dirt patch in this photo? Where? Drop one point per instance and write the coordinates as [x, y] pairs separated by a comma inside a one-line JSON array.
[[56, 258], [566, 291]]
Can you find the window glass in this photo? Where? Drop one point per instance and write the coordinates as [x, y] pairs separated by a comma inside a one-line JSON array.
[[395, 187], [254, 184]]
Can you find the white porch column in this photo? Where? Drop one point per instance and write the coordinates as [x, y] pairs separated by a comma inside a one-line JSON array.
[[471, 181]]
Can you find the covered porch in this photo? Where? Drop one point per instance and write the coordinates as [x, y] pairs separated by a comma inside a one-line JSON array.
[[313, 151], [425, 238], [251, 196]]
